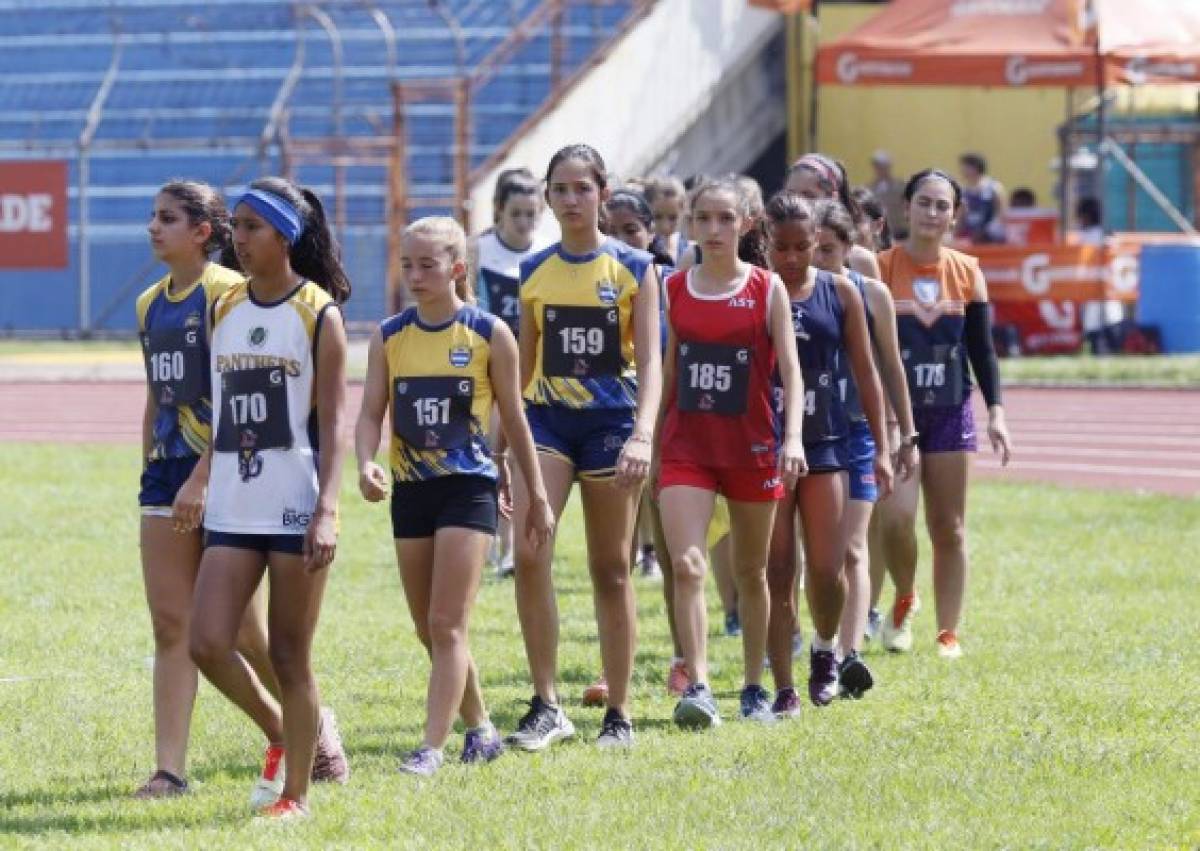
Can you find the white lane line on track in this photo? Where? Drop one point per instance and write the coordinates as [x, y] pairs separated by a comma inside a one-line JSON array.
[[1100, 429], [1050, 466], [1081, 451], [1072, 439]]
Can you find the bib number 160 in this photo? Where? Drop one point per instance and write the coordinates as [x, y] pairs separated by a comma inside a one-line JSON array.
[[166, 366], [582, 341], [248, 408]]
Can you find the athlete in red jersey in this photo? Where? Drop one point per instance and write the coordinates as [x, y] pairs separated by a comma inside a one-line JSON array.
[[729, 327]]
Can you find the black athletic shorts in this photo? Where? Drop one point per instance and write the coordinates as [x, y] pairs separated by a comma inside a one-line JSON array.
[[419, 509], [287, 544]]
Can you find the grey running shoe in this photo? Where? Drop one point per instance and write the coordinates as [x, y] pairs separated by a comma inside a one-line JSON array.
[[616, 731], [541, 726], [697, 709]]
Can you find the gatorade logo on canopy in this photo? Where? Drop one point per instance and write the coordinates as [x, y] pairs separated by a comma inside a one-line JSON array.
[[850, 68], [1019, 70]]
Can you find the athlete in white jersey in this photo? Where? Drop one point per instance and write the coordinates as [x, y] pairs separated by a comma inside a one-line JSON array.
[[278, 373]]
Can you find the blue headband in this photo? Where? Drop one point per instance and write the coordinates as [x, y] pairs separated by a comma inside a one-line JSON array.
[[278, 211]]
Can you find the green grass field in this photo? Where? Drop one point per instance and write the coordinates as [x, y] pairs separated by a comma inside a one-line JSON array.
[[1071, 721]]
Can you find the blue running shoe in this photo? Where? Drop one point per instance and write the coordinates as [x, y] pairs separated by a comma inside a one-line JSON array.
[[482, 744], [697, 709], [756, 705], [733, 625], [423, 762]]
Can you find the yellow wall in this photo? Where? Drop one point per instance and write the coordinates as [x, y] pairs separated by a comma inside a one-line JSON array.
[[1015, 129]]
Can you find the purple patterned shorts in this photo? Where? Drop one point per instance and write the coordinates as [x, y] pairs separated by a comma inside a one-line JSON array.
[[946, 429]]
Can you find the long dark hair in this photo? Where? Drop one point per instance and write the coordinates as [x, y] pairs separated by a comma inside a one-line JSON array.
[[874, 211], [201, 203], [316, 255]]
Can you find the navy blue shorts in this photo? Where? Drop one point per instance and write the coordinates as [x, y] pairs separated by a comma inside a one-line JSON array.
[[419, 509], [288, 544], [161, 481], [827, 456], [861, 457], [590, 440]]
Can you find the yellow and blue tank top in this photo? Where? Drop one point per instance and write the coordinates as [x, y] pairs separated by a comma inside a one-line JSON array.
[[183, 430], [439, 394], [583, 308]]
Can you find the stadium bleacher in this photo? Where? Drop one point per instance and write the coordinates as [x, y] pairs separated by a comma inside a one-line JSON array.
[[194, 90]]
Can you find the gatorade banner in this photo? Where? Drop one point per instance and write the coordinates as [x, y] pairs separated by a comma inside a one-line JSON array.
[[1042, 289], [33, 214]]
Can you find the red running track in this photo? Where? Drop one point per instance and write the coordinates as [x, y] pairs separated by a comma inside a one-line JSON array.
[[1112, 439]]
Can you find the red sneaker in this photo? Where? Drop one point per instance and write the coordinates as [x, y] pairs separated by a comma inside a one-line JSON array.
[[269, 786], [284, 809]]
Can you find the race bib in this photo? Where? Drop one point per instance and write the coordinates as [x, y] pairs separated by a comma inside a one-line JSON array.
[[254, 411], [581, 342], [935, 375], [176, 365], [819, 389], [713, 378], [433, 411], [504, 298]]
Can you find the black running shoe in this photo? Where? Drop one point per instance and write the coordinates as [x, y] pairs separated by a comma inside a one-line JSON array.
[[854, 676]]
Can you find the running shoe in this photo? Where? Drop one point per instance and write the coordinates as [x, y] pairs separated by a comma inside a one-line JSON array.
[[329, 759], [948, 646], [822, 677], [733, 625], [162, 784], [677, 678], [648, 564], [854, 676], [896, 634], [697, 709], [787, 703], [541, 726], [506, 567], [756, 705], [874, 624], [423, 762], [596, 694], [269, 786], [482, 744], [284, 809], [615, 731]]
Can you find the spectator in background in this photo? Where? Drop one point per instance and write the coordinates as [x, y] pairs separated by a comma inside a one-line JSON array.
[[890, 193], [1022, 198], [984, 202], [1102, 319]]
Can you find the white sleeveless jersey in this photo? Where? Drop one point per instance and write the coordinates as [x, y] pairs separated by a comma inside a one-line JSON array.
[[264, 467], [498, 288]]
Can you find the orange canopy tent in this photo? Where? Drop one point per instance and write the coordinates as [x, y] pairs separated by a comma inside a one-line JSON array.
[[1065, 43]]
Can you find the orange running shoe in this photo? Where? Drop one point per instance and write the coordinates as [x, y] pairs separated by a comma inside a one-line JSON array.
[[285, 809], [596, 694], [677, 679], [948, 646], [897, 627]]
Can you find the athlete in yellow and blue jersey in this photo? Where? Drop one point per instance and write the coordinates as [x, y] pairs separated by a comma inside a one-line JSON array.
[[174, 333]]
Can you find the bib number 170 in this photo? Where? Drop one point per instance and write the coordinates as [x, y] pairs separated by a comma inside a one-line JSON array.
[[248, 408]]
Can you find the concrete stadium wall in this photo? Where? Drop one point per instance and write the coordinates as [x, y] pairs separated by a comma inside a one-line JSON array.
[[654, 85]]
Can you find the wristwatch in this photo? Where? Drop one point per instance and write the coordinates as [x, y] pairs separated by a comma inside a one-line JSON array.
[[910, 440]]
